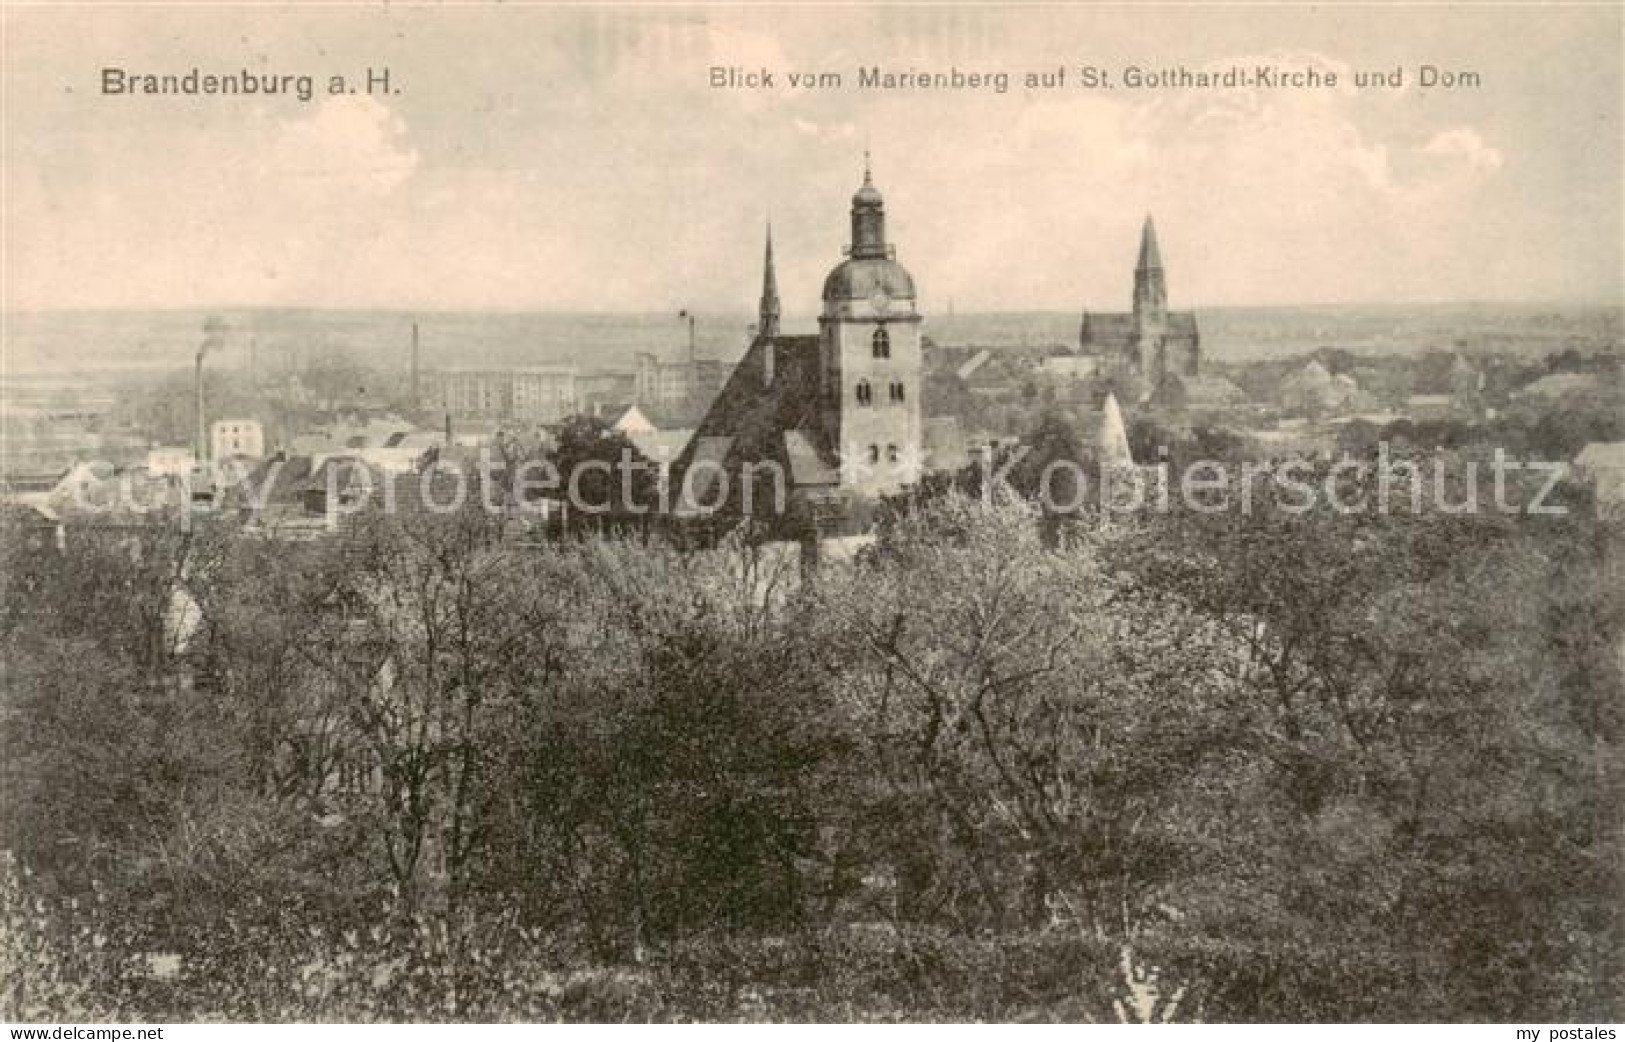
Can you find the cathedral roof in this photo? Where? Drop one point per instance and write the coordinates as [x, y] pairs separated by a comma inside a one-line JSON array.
[[1117, 328], [1100, 327]]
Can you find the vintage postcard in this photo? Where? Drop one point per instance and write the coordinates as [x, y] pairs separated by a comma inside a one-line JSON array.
[[827, 512]]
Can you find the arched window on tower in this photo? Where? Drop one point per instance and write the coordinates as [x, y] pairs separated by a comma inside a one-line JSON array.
[[897, 391], [891, 454], [882, 343], [865, 393], [874, 454]]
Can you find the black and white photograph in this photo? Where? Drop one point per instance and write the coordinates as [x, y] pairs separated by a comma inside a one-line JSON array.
[[811, 513]]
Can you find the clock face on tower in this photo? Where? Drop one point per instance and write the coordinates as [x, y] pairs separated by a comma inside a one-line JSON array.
[[880, 301]]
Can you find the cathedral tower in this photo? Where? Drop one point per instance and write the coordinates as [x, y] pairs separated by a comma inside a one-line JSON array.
[[869, 357], [1150, 285], [1140, 349]]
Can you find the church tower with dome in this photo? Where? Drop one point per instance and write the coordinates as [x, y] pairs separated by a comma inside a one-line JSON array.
[[836, 413], [870, 357]]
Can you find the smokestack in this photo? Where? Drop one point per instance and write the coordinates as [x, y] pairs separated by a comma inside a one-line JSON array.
[[448, 427], [202, 453], [214, 330], [692, 352], [415, 385]]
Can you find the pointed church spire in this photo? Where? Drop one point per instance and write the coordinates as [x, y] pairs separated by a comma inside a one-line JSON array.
[[767, 313], [1114, 450], [1150, 256], [1150, 285]]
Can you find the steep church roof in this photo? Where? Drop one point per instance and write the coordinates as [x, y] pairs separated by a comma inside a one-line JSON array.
[[809, 465], [771, 395]]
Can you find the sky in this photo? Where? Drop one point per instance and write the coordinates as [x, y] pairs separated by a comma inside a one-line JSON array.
[[577, 159]]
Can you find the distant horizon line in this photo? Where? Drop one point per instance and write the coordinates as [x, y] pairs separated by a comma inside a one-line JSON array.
[[958, 312]]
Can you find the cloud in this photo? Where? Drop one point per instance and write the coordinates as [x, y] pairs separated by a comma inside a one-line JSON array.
[[352, 142], [1304, 195], [578, 159], [1463, 144]]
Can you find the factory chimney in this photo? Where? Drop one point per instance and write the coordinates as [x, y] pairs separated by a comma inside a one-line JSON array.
[[416, 387]]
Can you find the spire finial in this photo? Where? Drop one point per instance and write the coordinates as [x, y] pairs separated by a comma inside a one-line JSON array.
[[768, 309], [866, 177]]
